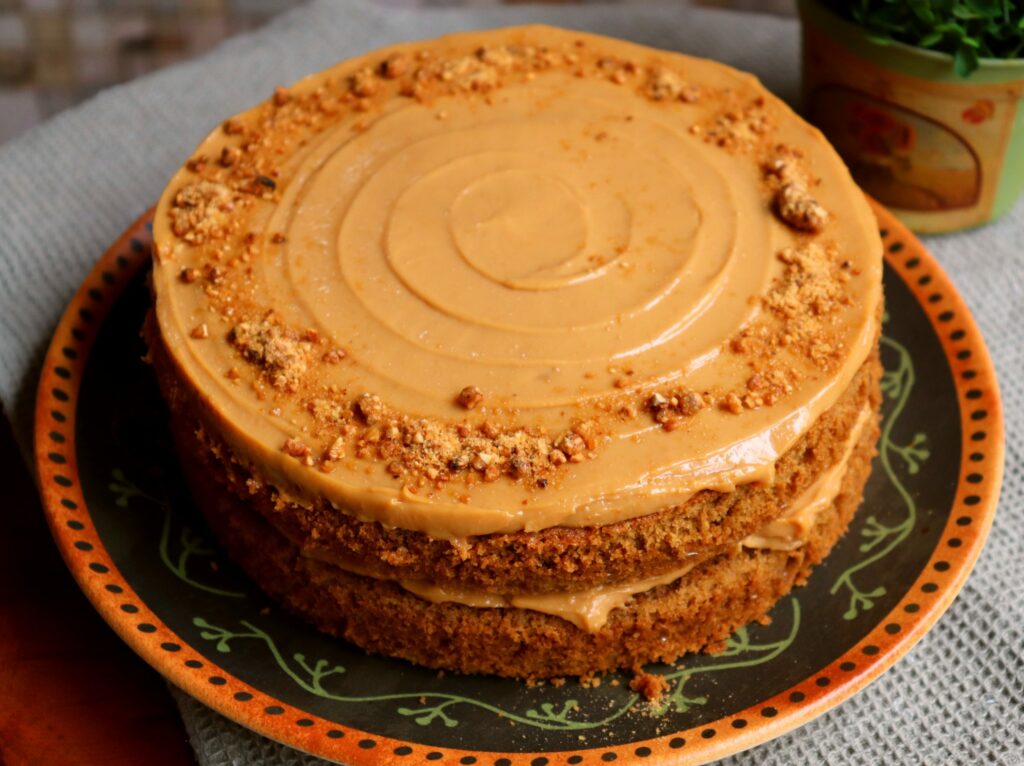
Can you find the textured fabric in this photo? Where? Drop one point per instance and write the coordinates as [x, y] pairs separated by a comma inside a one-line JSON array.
[[71, 186]]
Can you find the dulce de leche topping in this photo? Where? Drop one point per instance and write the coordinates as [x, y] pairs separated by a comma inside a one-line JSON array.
[[516, 279]]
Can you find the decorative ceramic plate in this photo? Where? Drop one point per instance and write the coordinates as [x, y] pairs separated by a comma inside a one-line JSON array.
[[127, 529]]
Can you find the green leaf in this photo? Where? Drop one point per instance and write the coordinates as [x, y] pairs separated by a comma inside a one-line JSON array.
[[965, 60], [991, 28]]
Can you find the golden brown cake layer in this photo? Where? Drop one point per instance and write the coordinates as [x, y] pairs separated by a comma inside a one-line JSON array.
[[518, 281], [700, 609], [554, 559]]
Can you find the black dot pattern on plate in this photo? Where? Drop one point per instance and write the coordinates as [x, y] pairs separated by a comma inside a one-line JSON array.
[[56, 457], [98, 568], [957, 335], [941, 566], [769, 712], [400, 750], [929, 587], [609, 757], [194, 664], [129, 608], [145, 627], [708, 733], [739, 723], [273, 710], [912, 608], [823, 681], [870, 650], [96, 294], [575, 759], [243, 696], [976, 457], [69, 352], [797, 697], [974, 478], [642, 752], [217, 680], [895, 247], [76, 525], [367, 744], [892, 628], [979, 414], [925, 280], [56, 437], [467, 760], [114, 588], [63, 481], [968, 374], [978, 436], [305, 723], [963, 521], [62, 372], [945, 316], [847, 666], [436, 756], [676, 742], [170, 646], [60, 394], [913, 263], [71, 505], [539, 761], [338, 734], [82, 545], [59, 416], [86, 315], [503, 762], [78, 334], [974, 393], [954, 542]]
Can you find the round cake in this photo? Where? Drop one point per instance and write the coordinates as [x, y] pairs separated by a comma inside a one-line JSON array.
[[524, 352]]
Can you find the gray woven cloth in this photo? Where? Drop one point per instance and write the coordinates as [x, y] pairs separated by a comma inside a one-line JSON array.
[[68, 188]]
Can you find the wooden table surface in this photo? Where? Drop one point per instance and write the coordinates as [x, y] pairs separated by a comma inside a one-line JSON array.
[[70, 691]]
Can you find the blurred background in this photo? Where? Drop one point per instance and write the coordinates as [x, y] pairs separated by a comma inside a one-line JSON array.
[[55, 53]]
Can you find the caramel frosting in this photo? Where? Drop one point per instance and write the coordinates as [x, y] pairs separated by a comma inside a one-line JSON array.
[[589, 608], [516, 279], [791, 529]]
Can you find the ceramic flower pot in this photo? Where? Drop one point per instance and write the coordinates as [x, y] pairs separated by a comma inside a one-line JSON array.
[[943, 152]]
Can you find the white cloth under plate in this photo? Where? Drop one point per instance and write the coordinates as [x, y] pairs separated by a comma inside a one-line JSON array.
[[69, 187]]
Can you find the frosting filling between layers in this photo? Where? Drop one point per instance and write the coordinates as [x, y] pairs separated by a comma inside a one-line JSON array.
[[589, 609]]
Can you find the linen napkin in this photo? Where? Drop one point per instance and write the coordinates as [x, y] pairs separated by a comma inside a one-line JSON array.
[[69, 187]]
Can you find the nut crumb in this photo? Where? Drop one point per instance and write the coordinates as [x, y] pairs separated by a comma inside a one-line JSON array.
[[295, 447], [799, 209], [470, 397]]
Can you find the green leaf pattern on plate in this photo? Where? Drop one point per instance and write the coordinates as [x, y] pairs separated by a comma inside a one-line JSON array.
[[179, 545]]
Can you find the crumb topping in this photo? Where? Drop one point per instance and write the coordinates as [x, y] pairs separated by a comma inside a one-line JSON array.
[[281, 353]]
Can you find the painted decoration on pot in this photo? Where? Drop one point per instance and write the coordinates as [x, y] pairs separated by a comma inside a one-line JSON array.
[[903, 159]]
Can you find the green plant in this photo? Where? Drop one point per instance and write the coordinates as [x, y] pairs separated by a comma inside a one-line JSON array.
[[967, 29]]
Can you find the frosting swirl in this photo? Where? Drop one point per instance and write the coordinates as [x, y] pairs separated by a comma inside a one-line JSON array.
[[565, 243]]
